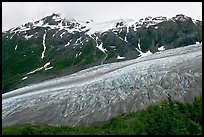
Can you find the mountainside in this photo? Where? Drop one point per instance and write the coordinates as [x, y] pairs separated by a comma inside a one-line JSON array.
[[99, 93], [54, 46]]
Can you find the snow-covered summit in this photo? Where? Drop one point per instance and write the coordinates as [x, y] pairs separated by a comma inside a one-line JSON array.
[[57, 21], [54, 21]]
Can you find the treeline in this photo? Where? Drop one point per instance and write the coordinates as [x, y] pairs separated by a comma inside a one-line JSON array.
[[169, 117]]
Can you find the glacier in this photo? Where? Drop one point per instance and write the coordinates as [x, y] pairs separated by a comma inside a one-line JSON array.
[[99, 93]]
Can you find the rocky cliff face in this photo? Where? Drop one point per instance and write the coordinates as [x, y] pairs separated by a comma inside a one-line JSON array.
[[101, 92], [55, 46]]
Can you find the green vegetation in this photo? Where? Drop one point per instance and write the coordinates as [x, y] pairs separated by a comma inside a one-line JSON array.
[[145, 43], [13, 60], [27, 57], [87, 55], [169, 117], [110, 54], [63, 63]]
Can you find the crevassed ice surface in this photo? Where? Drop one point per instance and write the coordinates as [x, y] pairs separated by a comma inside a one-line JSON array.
[[101, 92]]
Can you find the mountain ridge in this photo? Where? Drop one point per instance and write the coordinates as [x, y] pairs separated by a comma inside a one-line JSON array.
[[57, 18]]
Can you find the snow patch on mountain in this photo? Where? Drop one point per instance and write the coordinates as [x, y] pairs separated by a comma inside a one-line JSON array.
[[47, 64], [142, 54], [100, 47], [195, 21], [55, 33], [119, 57], [44, 46], [161, 48], [62, 34], [16, 47], [76, 42], [57, 17], [78, 54], [48, 68], [13, 35], [198, 42], [24, 78], [43, 67], [38, 69], [126, 34], [139, 46], [68, 43], [21, 29], [39, 23], [28, 36]]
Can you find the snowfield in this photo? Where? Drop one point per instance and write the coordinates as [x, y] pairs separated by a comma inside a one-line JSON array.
[[101, 92]]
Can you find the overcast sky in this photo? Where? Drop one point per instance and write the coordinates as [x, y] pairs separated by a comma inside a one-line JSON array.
[[18, 13]]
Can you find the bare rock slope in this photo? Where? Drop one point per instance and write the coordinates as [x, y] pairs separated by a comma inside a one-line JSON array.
[[102, 92]]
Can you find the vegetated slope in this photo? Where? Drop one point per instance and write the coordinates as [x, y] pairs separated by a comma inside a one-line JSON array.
[[169, 117], [54, 46], [99, 93]]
